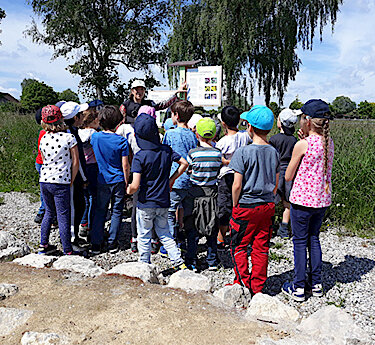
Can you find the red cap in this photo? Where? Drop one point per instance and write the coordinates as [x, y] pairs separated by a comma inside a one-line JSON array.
[[51, 114]]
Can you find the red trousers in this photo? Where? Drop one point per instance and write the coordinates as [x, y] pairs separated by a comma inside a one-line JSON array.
[[251, 225]]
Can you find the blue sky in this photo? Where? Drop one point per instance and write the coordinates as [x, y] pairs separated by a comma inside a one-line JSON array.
[[343, 64]]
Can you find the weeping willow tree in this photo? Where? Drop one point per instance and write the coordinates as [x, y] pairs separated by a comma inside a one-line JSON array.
[[254, 40]]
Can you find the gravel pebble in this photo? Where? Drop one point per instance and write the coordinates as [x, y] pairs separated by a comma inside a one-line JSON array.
[[348, 262]]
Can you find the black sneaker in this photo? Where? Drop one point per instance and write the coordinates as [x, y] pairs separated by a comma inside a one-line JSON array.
[[155, 245], [113, 248], [48, 249], [39, 218], [95, 249], [134, 245]]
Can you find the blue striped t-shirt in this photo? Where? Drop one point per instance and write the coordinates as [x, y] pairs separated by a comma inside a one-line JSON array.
[[204, 164]]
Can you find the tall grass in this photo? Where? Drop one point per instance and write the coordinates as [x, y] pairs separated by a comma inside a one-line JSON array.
[[353, 206], [353, 180], [18, 148]]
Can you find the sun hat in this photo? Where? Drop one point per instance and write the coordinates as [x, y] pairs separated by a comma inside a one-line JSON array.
[[146, 109], [317, 108], [168, 124], [51, 114], [146, 132], [289, 117], [259, 116], [137, 83], [71, 109], [193, 121], [206, 128]]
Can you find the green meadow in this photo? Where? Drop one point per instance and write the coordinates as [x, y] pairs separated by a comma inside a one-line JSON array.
[[353, 206]]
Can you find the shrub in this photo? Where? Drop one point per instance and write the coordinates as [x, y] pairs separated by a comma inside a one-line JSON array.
[[36, 95]]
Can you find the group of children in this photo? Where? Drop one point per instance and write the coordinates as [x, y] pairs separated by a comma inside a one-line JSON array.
[[186, 185]]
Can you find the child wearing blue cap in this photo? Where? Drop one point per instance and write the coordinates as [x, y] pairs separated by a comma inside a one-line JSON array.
[[151, 167], [256, 173]]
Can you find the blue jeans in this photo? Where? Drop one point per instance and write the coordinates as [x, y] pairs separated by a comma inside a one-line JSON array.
[[56, 195], [42, 207], [178, 196], [106, 193], [147, 218], [90, 192], [306, 223]]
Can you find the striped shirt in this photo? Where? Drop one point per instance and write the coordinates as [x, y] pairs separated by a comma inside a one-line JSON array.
[[204, 164]]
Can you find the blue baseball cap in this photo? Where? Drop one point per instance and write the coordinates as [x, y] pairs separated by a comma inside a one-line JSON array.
[[146, 132], [317, 108], [259, 116], [95, 103]]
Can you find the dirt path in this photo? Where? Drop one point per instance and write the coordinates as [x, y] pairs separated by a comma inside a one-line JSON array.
[[118, 310]]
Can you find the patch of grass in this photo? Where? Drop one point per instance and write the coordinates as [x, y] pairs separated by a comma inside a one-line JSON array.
[[272, 256], [2, 201], [18, 149], [278, 245]]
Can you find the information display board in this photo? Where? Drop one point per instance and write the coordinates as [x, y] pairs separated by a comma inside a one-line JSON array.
[[204, 85]]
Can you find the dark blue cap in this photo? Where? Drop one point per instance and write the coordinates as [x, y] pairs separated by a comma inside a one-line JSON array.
[[316, 108], [146, 132], [95, 103]]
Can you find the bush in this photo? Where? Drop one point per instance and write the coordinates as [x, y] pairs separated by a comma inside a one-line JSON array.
[[342, 105], [68, 95], [36, 95]]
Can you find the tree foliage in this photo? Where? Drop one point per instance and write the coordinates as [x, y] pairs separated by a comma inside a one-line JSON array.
[[296, 104], [36, 95], [100, 35], [275, 108], [366, 110], [2, 16], [342, 105], [68, 95], [255, 41]]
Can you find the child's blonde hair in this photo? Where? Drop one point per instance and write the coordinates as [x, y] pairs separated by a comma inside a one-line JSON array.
[[321, 126], [58, 126]]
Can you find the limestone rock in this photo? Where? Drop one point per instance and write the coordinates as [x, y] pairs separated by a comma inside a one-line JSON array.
[[268, 308], [78, 264], [335, 323], [35, 338], [5, 239], [36, 260], [7, 290], [190, 281], [234, 296], [11, 318], [11, 253], [145, 272]]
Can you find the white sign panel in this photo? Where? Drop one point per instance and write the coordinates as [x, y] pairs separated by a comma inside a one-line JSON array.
[[204, 85]]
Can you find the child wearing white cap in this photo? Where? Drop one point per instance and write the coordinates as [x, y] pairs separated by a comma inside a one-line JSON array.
[[284, 143]]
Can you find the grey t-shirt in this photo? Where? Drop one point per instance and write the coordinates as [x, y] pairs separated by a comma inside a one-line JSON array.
[[258, 164]]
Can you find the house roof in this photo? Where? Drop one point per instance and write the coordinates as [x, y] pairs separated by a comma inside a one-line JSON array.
[[8, 97]]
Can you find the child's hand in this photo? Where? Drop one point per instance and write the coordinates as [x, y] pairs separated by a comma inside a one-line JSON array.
[[301, 135], [182, 88]]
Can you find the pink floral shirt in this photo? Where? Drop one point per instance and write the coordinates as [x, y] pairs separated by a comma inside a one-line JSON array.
[[309, 187]]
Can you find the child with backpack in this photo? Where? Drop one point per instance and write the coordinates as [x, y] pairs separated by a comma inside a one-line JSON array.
[[200, 213], [60, 166], [311, 168]]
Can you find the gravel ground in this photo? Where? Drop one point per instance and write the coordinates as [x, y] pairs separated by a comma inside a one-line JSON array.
[[348, 262]]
